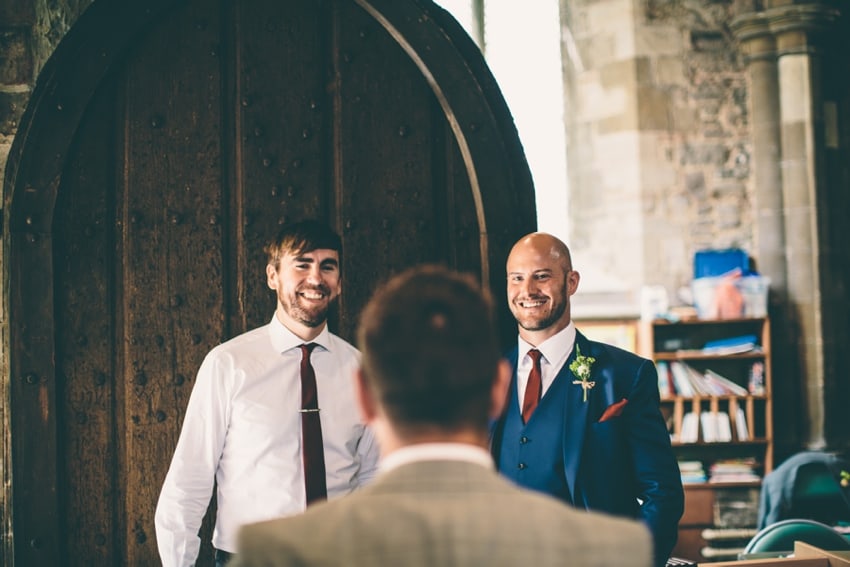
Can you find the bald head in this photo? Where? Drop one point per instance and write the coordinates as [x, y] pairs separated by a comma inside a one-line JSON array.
[[544, 245], [540, 283]]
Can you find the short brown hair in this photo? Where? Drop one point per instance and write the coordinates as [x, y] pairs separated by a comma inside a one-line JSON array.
[[300, 237], [429, 350]]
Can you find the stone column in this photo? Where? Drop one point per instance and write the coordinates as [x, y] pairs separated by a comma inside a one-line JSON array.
[[758, 46], [798, 29], [759, 49]]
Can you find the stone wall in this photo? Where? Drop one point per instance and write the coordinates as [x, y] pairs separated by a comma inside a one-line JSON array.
[[29, 32], [699, 124], [659, 149]]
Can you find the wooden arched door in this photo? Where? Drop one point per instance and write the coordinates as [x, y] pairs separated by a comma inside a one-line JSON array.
[[165, 141]]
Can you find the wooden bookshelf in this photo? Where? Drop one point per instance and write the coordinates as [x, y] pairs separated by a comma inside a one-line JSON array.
[[670, 343]]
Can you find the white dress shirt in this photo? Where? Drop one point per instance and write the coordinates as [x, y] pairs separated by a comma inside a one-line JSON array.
[[556, 350], [242, 428], [436, 452]]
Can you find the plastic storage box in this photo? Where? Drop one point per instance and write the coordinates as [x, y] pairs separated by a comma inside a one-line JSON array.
[[753, 289], [708, 263]]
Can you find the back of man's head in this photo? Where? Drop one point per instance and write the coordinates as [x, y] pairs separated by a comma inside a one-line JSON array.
[[430, 352]]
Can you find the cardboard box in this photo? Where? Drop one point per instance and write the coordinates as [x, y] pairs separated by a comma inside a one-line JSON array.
[[835, 558], [772, 562], [805, 555]]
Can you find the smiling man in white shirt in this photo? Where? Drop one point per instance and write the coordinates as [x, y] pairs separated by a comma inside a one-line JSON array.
[[243, 424]]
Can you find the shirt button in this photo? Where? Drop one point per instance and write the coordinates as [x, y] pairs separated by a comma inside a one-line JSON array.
[[523, 440], [521, 466]]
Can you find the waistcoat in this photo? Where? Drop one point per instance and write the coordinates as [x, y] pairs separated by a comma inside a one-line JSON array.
[[532, 454]]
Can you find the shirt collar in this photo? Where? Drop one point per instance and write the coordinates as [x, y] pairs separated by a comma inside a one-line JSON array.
[[283, 339], [556, 349], [436, 452]]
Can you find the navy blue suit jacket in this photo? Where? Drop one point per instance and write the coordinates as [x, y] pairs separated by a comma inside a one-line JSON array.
[[621, 463]]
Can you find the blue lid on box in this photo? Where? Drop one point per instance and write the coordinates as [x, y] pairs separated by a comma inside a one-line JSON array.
[[709, 263]]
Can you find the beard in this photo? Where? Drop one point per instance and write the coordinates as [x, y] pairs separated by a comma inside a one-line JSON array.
[[540, 323], [300, 310]]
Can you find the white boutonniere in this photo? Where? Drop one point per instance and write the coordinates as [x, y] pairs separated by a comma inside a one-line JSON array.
[[581, 368]]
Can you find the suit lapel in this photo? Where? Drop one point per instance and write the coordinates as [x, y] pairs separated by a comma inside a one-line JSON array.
[[575, 416]]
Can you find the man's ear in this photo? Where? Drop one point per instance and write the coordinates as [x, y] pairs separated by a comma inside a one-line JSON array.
[[499, 391], [573, 277], [271, 272], [365, 397]]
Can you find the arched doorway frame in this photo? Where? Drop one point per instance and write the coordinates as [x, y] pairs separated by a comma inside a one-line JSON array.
[[447, 58]]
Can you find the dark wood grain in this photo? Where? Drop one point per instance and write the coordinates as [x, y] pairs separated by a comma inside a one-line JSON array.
[[163, 146]]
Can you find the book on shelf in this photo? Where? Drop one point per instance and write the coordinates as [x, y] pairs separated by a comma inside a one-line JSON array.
[[665, 389], [727, 534], [690, 428], [741, 428], [699, 384], [732, 345], [724, 385], [722, 553], [692, 472], [734, 470], [681, 378], [704, 385], [726, 542], [716, 427], [724, 347], [689, 382]]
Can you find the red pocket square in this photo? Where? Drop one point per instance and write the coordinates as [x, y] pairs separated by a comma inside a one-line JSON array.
[[613, 410]]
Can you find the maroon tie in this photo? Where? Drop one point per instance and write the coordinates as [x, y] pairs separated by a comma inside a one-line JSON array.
[[311, 431], [534, 388]]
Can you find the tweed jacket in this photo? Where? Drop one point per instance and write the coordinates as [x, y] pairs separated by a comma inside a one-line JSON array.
[[444, 513]]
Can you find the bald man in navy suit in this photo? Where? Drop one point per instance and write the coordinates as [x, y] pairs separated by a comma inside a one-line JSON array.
[[593, 434]]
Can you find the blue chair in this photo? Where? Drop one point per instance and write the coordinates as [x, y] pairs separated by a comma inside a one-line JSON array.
[[780, 537]]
